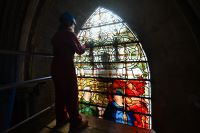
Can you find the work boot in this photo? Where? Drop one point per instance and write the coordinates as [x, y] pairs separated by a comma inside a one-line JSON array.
[[74, 127]]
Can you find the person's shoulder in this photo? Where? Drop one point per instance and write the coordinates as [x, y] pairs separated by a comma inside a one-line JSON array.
[[68, 33]]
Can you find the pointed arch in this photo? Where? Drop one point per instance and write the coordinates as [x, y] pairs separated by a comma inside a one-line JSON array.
[[115, 66]]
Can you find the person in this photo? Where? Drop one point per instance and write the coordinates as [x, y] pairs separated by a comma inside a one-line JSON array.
[[116, 110], [65, 44]]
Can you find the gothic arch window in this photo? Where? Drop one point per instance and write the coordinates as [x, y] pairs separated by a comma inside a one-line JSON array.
[[113, 74]]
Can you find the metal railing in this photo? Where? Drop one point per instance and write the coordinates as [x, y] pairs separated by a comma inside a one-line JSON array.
[[17, 85], [21, 83], [8, 52], [28, 119]]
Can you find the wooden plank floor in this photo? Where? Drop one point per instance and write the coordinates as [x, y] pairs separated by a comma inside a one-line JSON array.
[[96, 126]]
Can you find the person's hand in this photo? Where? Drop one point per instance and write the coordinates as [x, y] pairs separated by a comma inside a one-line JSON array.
[[89, 44], [86, 45]]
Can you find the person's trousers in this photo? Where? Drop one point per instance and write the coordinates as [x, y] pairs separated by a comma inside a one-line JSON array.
[[66, 98]]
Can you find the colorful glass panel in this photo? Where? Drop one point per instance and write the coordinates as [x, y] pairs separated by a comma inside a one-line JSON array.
[[113, 74]]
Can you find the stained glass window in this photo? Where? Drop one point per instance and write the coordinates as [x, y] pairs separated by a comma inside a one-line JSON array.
[[113, 74]]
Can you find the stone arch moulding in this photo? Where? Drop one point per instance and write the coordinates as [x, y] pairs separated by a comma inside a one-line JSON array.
[[113, 74]]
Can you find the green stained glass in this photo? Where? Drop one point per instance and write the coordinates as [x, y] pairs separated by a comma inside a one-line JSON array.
[[113, 72]]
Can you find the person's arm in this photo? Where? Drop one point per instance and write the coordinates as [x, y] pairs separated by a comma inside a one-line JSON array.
[[77, 46]]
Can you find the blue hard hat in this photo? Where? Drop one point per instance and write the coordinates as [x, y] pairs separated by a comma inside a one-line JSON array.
[[66, 17]]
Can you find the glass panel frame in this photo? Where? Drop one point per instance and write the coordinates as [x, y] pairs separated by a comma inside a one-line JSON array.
[[114, 71]]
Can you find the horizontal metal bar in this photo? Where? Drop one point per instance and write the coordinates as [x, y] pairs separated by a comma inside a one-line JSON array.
[[125, 62], [13, 85], [112, 79], [25, 53], [106, 106], [109, 93], [50, 55], [117, 44], [122, 22], [30, 118]]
